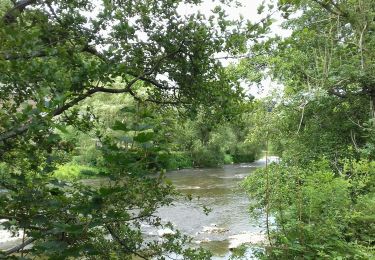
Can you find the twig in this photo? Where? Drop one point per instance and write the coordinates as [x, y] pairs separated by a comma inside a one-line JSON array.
[[11, 15]]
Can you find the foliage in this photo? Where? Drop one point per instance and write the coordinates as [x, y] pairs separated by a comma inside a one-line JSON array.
[[186, 140], [74, 171], [175, 161], [56, 57], [315, 211], [321, 195], [70, 218]]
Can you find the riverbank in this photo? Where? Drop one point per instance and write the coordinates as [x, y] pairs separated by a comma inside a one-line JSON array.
[[74, 171]]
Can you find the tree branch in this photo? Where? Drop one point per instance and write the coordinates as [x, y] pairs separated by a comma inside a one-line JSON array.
[[19, 247], [329, 6], [35, 54], [14, 132], [93, 51], [122, 243], [8, 217], [89, 93], [23, 128], [10, 16]]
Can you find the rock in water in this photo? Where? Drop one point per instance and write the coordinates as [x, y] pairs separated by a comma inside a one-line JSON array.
[[246, 238], [165, 231], [214, 229]]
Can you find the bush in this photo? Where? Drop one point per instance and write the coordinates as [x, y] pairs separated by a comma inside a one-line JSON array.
[[207, 156], [317, 214], [228, 159], [174, 161], [180, 160], [245, 153], [243, 157]]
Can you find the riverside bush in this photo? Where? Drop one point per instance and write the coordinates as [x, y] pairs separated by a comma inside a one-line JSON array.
[[317, 213], [174, 160]]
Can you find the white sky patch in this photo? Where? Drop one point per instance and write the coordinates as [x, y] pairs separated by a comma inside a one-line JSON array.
[[267, 87], [249, 11]]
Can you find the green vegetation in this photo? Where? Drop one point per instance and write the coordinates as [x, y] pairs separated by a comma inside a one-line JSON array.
[[126, 90], [319, 201], [184, 139], [74, 171], [120, 89]]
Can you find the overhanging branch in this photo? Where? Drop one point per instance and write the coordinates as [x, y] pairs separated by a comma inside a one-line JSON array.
[[123, 244], [142, 76], [19, 247], [11, 15], [331, 7]]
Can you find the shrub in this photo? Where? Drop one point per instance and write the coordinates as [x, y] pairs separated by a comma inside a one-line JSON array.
[[317, 213], [207, 156], [228, 159], [245, 152], [174, 160]]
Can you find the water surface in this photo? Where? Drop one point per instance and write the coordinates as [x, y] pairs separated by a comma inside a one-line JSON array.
[[218, 189], [215, 188]]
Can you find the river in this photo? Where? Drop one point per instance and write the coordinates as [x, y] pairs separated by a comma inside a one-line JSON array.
[[227, 225]]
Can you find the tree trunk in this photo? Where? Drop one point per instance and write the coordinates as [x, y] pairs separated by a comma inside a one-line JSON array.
[[372, 108]]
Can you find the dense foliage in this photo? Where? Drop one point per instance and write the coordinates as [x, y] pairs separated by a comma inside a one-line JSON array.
[[187, 140], [319, 200], [122, 91], [61, 62]]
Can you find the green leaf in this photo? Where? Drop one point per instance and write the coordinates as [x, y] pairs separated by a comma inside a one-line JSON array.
[[119, 126], [62, 129], [144, 137]]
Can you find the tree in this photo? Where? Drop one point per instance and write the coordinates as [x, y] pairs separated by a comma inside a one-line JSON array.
[[56, 54], [326, 72], [330, 49], [324, 126]]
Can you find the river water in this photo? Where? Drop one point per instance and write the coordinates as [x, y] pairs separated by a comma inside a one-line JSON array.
[[227, 225]]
